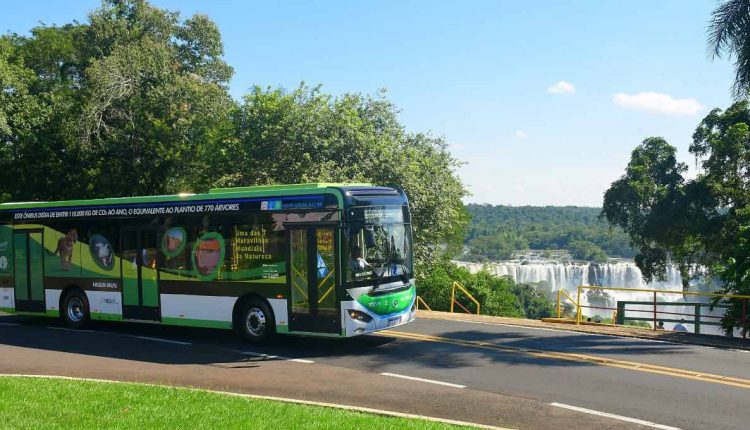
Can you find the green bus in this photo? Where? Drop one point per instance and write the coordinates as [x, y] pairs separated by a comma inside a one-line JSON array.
[[310, 259]]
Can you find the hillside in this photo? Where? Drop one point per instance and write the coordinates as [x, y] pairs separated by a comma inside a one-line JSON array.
[[496, 232]]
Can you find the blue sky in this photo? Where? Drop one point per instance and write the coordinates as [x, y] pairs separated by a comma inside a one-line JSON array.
[[482, 74]]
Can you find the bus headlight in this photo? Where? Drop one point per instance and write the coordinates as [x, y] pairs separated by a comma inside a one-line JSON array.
[[359, 316]]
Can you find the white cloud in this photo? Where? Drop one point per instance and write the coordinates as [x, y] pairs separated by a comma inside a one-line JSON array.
[[657, 103], [562, 88], [520, 134]]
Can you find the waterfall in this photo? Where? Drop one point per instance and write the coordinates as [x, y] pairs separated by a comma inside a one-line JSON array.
[[621, 274], [568, 276]]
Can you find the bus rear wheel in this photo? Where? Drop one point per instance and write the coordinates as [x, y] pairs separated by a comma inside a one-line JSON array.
[[256, 322], [75, 310]]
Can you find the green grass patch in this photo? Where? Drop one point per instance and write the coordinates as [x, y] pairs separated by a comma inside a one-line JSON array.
[[40, 403]]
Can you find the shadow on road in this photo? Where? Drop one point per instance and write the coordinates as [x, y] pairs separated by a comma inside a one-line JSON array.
[[222, 348]]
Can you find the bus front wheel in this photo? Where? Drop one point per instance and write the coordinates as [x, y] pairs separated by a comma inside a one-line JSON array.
[[75, 310], [256, 322]]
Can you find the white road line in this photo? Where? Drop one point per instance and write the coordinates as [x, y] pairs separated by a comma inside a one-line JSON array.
[[431, 381], [615, 417], [275, 357], [76, 330], [261, 355], [157, 339], [9, 324]]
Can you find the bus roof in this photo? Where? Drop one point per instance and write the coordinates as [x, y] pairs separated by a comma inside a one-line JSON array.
[[214, 193]]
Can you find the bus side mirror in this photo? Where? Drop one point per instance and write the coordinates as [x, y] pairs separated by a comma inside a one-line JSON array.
[[369, 237]]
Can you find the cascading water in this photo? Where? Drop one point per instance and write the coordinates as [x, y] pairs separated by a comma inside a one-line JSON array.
[[568, 276]]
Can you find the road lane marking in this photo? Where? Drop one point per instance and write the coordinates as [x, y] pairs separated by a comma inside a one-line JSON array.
[[76, 330], [431, 381], [273, 357], [158, 339], [615, 417], [581, 358], [9, 324]]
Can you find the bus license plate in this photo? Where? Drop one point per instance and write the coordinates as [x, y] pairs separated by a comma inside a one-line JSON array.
[[393, 321]]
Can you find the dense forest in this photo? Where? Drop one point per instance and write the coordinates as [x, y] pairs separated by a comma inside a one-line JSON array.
[[496, 232]]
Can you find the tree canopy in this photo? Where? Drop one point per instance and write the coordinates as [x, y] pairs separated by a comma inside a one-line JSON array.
[[135, 101], [702, 224], [729, 35]]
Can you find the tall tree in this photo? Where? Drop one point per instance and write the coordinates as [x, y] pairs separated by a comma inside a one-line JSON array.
[[307, 135], [129, 98], [729, 34], [699, 224]]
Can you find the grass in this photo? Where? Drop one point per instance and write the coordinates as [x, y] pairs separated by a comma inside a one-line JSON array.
[[42, 403]]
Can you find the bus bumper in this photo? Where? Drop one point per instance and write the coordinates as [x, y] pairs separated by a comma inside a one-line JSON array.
[[355, 327]]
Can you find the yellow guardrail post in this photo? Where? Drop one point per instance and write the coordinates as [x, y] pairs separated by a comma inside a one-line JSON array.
[[420, 299], [560, 294], [578, 307], [468, 295], [453, 295]]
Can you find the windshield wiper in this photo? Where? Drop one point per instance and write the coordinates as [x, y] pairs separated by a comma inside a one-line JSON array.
[[380, 277]]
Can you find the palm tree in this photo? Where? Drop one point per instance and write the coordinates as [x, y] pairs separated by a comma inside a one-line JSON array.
[[729, 34]]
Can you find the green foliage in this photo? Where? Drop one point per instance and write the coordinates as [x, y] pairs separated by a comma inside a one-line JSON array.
[[585, 250], [498, 296], [495, 232], [537, 301], [307, 135], [139, 406], [729, 34], [701, 222], [135, 102]]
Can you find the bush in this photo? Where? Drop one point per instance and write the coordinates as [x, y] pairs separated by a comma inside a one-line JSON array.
[[498, 296]]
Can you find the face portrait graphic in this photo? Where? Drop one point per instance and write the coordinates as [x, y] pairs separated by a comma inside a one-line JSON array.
[[208, 254], [173, 242]]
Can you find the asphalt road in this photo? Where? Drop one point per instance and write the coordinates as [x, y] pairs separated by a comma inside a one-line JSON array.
[[484, 373]]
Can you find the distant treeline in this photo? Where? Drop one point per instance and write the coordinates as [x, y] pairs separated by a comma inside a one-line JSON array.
[[495, 232]]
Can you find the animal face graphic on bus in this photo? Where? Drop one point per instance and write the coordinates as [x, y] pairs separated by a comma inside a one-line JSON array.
[[208, 256], [65, 249], [102, 252]]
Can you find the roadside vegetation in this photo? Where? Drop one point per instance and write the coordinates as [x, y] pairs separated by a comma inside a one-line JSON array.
[[43, 403], [498, 296]]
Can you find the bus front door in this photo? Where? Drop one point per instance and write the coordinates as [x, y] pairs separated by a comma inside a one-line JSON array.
[[313, 305], [28, 265], [140, 275]]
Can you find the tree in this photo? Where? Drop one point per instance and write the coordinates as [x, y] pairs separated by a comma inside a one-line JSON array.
[[648, 203], [307, 135], [135, 102], [120, 105], [729, 34], [698, 223]]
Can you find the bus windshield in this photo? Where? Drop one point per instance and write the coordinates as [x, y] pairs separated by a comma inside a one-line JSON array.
[[379, 245]]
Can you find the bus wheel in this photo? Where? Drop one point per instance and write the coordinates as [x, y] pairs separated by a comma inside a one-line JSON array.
[[75, 311], [256, 322]]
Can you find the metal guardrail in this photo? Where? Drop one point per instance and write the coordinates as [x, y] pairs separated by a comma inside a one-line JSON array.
[[619, 316], [421, 300], [454, 287], [460, 287], [561, 293]]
